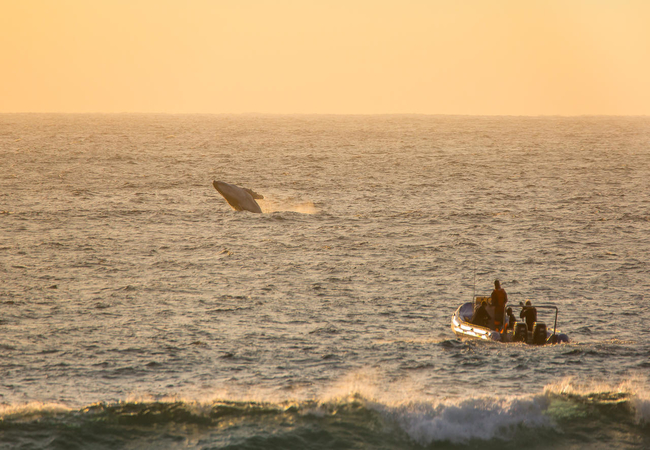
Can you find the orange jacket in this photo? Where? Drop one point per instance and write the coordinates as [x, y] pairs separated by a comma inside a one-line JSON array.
[[499, 300]]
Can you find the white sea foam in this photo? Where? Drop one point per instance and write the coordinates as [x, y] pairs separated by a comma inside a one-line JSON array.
[[474, 418]]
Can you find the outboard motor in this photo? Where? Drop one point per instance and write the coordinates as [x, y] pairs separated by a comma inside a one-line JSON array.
[[539, 333], [521, 333]]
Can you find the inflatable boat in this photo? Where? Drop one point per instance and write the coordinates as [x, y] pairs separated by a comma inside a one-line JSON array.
[[462, 326]]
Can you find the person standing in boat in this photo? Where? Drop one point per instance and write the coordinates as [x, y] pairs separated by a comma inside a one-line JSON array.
[[529, 314], [499, 300]]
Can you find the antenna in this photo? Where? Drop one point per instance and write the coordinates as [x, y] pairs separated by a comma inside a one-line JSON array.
[[474, 294]]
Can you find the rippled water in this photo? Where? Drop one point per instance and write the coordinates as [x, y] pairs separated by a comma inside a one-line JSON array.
[[129, 282]]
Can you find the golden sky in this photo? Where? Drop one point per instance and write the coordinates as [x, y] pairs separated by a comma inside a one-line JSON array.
[[515, 57]]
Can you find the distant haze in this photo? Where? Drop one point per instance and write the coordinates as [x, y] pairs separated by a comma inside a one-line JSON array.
[[519, 57]]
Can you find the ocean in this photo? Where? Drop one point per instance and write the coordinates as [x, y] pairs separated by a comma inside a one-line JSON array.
[[138, 310]]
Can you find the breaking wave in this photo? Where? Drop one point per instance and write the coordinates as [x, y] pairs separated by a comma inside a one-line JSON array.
[[564, 414]]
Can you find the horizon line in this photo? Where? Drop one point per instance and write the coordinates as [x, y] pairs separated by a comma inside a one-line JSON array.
[[140, 113]]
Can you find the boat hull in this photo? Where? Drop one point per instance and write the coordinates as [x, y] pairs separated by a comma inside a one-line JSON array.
[[462, 327]]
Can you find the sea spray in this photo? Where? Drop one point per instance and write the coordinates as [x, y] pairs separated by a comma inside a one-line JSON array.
[[272, 205], [482, 418]]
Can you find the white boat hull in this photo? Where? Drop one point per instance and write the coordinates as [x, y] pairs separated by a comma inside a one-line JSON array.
[[462, 327]]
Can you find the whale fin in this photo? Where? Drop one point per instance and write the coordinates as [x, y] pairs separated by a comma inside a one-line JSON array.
[[254, 194]]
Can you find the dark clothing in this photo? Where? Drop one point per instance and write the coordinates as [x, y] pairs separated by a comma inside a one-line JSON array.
[[529, 314], [512, 320], [481, 317], [499, 300]]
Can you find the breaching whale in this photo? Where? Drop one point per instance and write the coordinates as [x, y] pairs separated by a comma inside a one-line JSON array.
[[241, 199]]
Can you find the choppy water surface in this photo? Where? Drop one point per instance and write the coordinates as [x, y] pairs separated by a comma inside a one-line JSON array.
[[138, 309]]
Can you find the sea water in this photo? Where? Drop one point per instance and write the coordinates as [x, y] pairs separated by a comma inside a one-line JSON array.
[[139, 310]]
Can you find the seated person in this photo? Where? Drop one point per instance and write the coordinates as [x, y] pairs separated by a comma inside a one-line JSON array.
[[512, 320], [529, 314], [481, 316]]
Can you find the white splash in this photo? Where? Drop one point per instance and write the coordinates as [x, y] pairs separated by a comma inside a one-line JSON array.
[[270, 205], [473, 418], [426, 420]]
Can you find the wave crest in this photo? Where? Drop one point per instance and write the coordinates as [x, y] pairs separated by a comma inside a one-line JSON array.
[[476, 418], [564, 414]]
